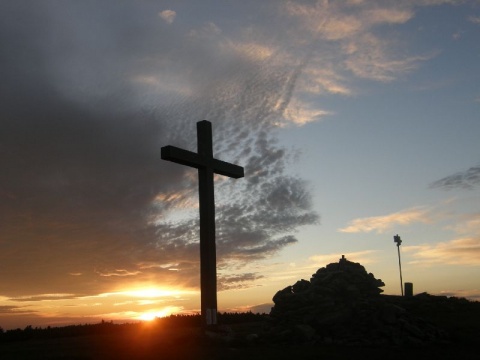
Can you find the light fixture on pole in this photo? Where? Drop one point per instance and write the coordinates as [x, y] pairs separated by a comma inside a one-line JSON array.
[[396, 239]]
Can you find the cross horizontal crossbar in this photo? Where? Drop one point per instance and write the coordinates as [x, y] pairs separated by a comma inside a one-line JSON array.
[[189, 158]]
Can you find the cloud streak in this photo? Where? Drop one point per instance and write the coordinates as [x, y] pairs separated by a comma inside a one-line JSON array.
[[382, 224], [474, 19], [467, 179], [463, 251], [168, 15]]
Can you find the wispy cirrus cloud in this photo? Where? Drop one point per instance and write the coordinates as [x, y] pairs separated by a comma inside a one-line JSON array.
[[118, 272], [369, 59], [340, 19], [462, 251], [467, 179], [466, 224], [336, 44], [474, 19], [384, 223], [323, 79], [45, 297], [14, 310], [351, 27], [300, 113], [168, 16]]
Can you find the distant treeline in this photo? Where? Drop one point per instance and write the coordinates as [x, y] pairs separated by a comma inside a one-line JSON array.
[[223, 318], [105, 327]]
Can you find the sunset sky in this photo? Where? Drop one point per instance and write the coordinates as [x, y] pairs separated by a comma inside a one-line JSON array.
[[355, 120]]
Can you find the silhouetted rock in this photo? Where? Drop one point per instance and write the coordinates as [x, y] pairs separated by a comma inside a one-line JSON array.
[[342, 304]]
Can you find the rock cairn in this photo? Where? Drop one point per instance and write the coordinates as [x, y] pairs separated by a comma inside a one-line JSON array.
[[342, 304]]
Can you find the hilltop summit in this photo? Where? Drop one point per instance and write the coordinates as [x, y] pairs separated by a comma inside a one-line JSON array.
[[342, 304]]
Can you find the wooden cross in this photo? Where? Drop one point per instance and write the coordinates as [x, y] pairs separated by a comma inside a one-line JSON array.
[[207, 166]]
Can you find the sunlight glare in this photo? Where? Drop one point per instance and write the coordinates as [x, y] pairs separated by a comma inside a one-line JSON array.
[[153, 292], [152, 315]]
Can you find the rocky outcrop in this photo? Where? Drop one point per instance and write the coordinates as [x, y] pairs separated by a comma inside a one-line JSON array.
[[342, 304]]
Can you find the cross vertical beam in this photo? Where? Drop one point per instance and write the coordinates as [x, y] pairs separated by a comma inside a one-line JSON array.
[[208, 255], [207, 166]]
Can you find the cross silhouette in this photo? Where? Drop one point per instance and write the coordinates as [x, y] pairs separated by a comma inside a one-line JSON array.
[[207, 166]]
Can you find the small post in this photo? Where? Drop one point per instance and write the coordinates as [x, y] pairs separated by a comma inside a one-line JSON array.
[[397, 240], [408, 289]]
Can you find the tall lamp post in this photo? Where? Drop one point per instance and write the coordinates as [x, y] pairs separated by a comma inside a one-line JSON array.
[[398, 241]]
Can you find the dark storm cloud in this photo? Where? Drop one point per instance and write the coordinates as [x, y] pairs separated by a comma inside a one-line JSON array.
[[89, 93], [467, 179]]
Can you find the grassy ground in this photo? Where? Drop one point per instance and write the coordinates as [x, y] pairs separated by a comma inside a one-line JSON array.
[[165, 341], [191, 344], [123, 347]]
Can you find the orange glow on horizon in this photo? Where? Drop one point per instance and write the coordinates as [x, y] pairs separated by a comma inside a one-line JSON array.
[[151, 292], [149, 295], [154, 292], [152, 315]]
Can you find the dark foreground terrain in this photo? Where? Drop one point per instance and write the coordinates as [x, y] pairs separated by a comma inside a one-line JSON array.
[[245, 336]]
